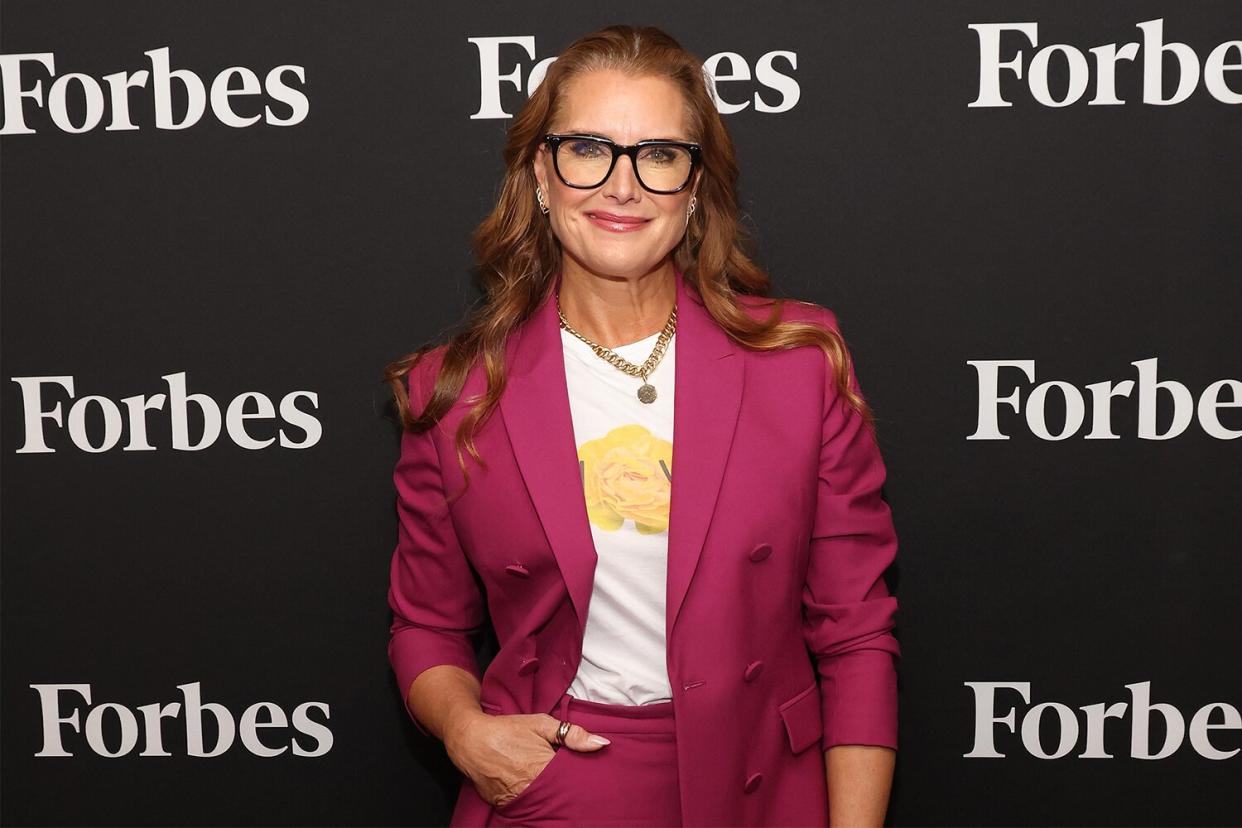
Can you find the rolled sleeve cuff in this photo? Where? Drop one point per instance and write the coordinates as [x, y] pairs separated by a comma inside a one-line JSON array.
[[414, 650], [859, 698]]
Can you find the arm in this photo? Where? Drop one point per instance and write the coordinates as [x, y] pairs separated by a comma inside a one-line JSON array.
[[443, 700], [849, 614], [436, 603], [859, 780], [437, 606]]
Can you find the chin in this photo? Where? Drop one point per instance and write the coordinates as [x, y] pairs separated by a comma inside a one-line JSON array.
[[623, 266]]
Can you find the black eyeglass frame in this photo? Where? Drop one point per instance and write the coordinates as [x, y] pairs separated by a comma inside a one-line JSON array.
[[617, 150]]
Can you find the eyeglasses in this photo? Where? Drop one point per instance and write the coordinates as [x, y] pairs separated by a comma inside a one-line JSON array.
[[585, 161]]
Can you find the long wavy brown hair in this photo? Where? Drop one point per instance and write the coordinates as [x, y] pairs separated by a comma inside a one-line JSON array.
[[518, 256]]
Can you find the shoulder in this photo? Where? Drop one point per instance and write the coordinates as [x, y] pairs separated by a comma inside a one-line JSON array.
[[421, 380], [808, 356], [792, 310]]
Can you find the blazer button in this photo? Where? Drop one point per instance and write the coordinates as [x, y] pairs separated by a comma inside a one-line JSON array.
[[753, 670], [528, 666], [518, 569], [752, 782], [760, 552]]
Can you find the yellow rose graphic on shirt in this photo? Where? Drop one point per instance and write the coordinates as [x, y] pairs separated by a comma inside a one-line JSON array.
[[627, 475]]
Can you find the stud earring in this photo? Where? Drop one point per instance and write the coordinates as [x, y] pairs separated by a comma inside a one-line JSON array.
[[543, 207]]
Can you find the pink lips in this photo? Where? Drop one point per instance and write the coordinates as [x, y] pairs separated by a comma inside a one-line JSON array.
[[614, 222]]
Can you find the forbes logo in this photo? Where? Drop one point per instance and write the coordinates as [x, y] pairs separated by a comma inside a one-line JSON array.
[[1088, 732], [232, 83], [777, 92], [1222, 394], [1222, 60], [111, 424], [60, 707]]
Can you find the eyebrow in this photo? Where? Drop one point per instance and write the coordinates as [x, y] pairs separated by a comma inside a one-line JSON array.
[[592, 133]]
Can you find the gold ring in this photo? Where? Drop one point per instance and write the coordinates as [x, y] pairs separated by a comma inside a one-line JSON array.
[[562, 732]]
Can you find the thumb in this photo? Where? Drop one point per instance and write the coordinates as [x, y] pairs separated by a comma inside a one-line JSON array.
[[578, 738]]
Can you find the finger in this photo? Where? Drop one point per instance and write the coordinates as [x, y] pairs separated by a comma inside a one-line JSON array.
[[578, 737]]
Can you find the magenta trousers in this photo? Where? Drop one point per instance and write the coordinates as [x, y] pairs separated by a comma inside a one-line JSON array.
[[632, 781]]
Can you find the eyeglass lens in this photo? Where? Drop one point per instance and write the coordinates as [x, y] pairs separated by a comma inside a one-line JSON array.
[[584, 163]]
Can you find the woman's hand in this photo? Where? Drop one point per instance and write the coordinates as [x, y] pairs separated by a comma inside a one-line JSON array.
[[501, 755]]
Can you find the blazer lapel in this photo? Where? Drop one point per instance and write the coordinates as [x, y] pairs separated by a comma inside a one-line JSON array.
[[535, 409], [709, 378]]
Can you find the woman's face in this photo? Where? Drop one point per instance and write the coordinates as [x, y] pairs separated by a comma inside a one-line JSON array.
[[627, 110]]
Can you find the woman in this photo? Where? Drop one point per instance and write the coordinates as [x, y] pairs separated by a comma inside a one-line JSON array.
[[623, 339]]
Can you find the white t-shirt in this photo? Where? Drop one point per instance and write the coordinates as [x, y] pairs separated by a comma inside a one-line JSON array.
[[625, 457]]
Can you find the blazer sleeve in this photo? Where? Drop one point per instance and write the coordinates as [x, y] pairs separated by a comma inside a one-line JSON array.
[[436, 603], [848, 613]]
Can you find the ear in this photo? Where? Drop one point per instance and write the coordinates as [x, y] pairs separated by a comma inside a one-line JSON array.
[[539, 168]]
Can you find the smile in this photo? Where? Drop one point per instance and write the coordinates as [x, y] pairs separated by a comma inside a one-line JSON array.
[[616, 223]]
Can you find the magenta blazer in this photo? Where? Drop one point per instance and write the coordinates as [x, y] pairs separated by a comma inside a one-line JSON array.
[[779, 624]]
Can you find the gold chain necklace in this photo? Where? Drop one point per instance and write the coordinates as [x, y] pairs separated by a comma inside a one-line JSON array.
[[647, 392]]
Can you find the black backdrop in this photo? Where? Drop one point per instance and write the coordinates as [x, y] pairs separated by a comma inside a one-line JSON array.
[[299, 257]]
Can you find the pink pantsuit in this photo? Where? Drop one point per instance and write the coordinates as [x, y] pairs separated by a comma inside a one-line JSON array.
[[779, 624]]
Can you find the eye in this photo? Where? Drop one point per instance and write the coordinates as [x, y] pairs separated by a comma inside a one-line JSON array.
[[586, 149], [662, 154]]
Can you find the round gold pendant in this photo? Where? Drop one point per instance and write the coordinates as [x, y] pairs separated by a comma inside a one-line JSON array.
[[647, 393]]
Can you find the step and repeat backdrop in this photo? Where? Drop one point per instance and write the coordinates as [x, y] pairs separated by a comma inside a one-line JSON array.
[[221, 220]]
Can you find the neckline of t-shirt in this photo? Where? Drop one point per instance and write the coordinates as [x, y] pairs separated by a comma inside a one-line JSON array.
[[632, 351]]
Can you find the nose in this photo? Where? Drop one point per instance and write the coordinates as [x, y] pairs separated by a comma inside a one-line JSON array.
[[623, 183]]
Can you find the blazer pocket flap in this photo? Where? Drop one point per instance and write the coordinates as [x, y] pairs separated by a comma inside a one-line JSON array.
[[803, 718]]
